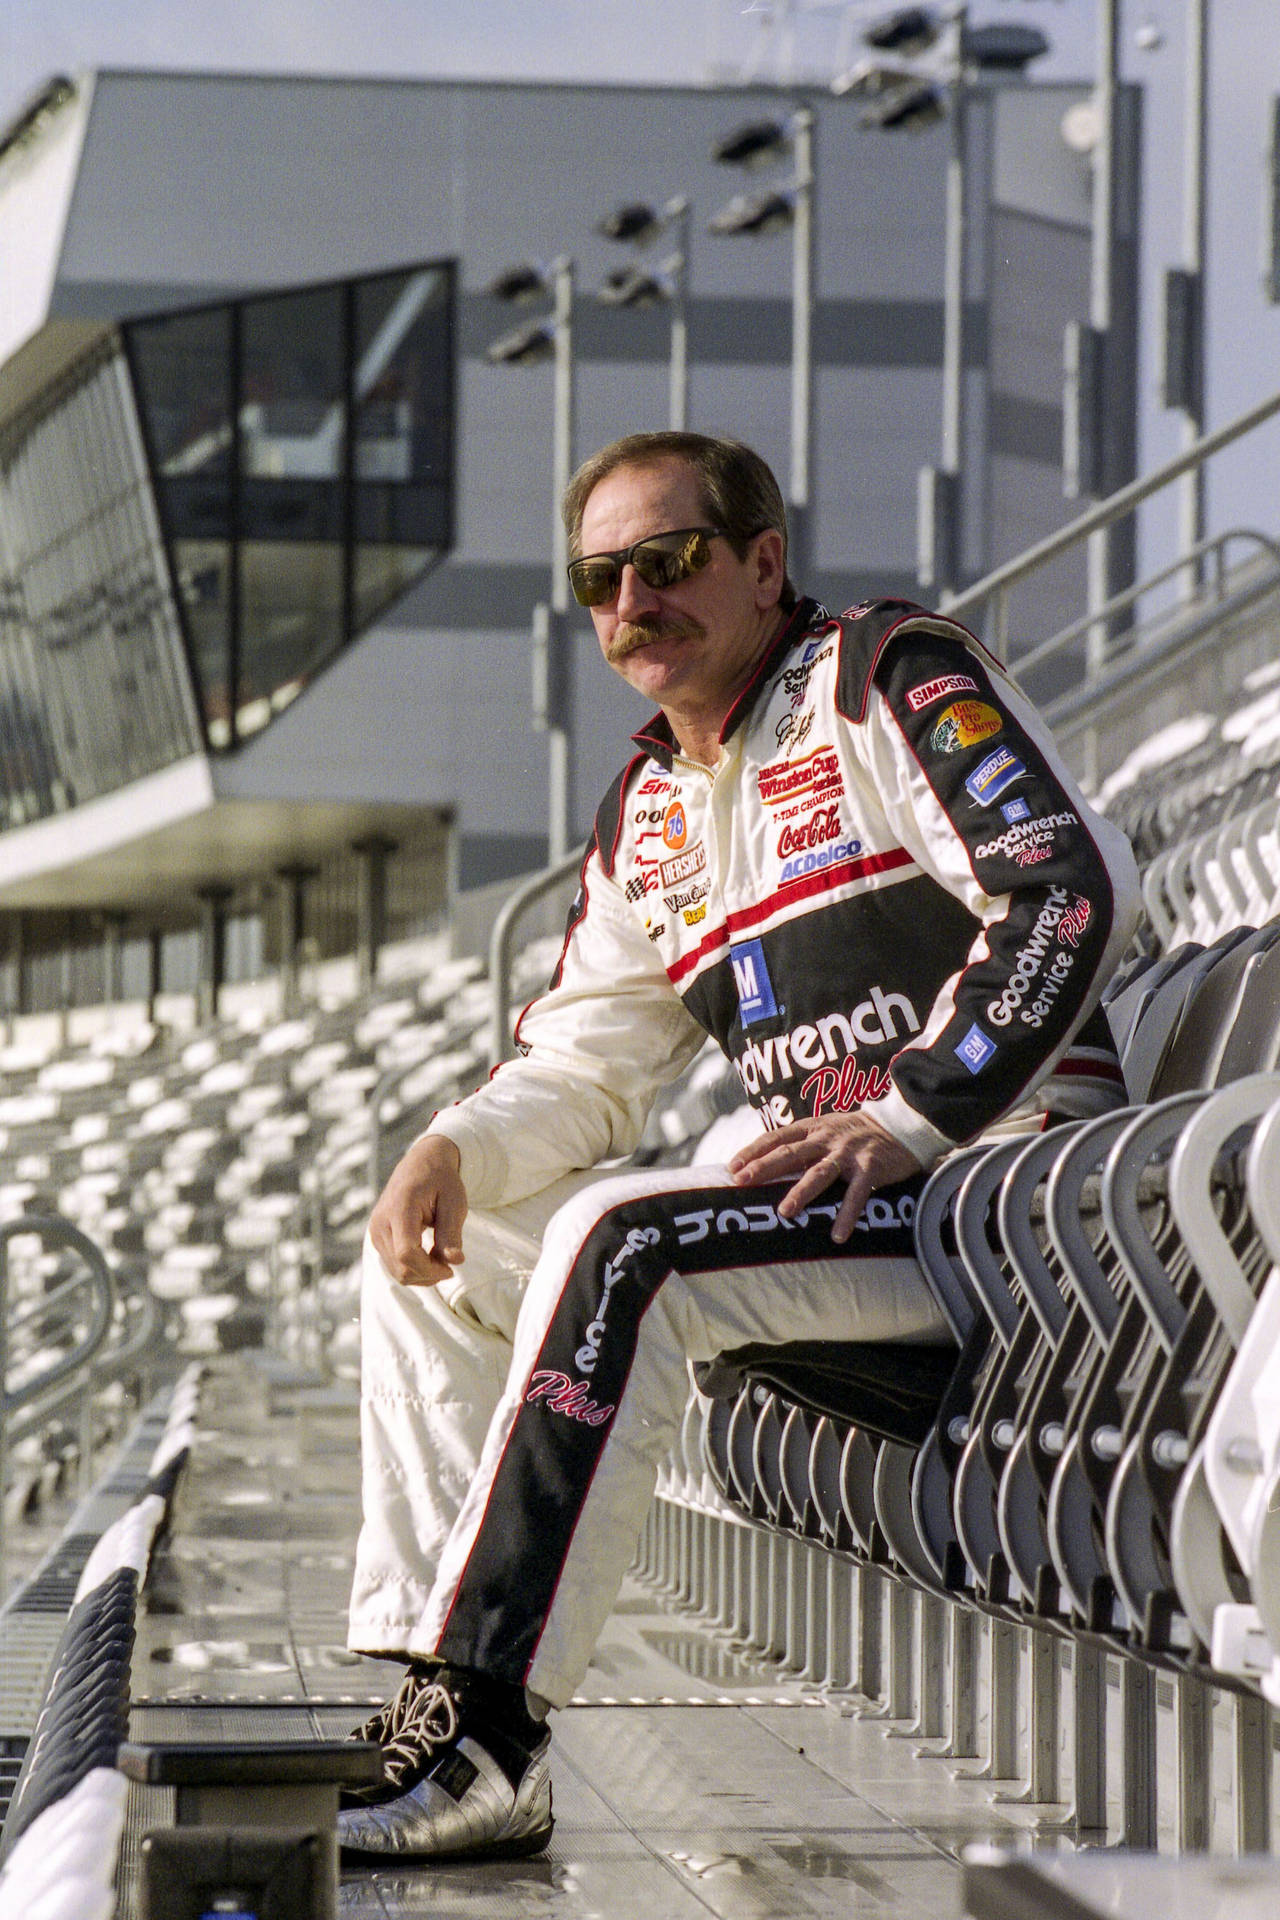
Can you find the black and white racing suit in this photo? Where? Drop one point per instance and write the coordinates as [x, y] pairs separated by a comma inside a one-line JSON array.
[[887, 894]]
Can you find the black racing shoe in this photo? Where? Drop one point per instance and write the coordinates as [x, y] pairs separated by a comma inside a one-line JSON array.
[[466, 1774]]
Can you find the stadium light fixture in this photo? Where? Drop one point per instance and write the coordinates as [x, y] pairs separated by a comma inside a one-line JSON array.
[[523, 346], [756, 213], [642, 284], [789, 206], [549, 337], [759, 143], [520, 285], [908, 31], [942, 53]]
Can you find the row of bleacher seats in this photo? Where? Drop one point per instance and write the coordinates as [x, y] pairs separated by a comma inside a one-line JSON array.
[[225, 1173], [1198, 801], [1098, 1457]]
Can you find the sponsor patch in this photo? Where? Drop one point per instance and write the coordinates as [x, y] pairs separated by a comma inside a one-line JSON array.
[[827, 1041], [1075, 920], [918, 698], [804, 864], [751, 978], [692, 915], [675, 826], [966, 723], [996, 774], [636, 1241], [559, 1394], [1038, 832], [1029, 959], [820, 827], [683, 865], [816, 776], [1014, 810], [975, 1049]]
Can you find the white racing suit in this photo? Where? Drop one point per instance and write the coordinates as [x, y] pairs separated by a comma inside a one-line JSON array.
[[888, 893]]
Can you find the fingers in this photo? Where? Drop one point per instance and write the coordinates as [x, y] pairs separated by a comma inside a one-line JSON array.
[[424, 1196], [820, 1152], [451, 1211]]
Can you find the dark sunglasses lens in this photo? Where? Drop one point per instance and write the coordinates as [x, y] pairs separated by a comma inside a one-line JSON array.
[[594, 581], [670, 558]]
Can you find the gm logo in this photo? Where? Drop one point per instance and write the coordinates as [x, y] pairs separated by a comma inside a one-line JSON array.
[[975, 1049], [751, 977], [1014, 810]]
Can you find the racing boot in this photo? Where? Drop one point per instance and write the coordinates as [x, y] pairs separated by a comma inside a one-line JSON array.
[[465, 1773]]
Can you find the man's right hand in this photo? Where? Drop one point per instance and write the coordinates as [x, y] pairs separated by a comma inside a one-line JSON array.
[[424, 1195]]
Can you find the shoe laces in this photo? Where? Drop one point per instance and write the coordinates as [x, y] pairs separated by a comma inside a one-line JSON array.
[[421, 1717]]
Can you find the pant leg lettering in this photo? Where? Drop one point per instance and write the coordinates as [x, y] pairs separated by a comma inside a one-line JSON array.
[[559, 1412]]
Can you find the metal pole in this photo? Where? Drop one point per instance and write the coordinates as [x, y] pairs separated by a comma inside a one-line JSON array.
[[802, 266], [560, 730], [678, 211], [953, 279], [1191, 516], [1101, 296]]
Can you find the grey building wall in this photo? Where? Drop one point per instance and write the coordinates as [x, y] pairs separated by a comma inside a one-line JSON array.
[[194, 186]]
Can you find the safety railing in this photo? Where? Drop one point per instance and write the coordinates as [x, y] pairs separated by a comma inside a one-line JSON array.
[[991, 594], [75, 1317], [502, 947]]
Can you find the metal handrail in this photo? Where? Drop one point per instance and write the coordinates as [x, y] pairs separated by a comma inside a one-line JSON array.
[[70, 1370], [1108, 511], [502, 941], [1215, 544]]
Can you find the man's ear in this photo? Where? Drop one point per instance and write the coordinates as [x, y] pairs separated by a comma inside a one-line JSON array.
[[770, 573]]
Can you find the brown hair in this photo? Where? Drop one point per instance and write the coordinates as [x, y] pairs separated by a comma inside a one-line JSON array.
[[740, 496]]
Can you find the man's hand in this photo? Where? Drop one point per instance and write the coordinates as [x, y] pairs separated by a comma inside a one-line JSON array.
[[820, 1151], [424, 1194]]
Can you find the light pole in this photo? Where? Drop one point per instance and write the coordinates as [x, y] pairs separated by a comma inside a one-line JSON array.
[[550, 338], [1184, 315], [911, 98], [667, 283], [794, 206]]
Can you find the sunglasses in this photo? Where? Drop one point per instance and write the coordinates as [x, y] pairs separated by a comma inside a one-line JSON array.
[[662, 560]]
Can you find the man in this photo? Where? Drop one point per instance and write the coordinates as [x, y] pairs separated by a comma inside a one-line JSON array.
[[847, 850]]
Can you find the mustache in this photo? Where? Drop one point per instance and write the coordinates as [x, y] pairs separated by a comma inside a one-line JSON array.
[[630, 635]]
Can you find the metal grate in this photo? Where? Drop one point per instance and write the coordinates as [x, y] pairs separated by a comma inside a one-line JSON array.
[[52, 1589]]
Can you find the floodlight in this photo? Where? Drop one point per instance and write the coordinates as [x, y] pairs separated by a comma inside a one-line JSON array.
[[518, 284], [758, 213], [635, 221], [633, 287], [1004, 48], [523, 346], [870, 78], [913, 108], [753, 144], [908, 30]]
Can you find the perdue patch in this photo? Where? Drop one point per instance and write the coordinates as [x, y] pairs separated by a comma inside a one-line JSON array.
[[918, 698]]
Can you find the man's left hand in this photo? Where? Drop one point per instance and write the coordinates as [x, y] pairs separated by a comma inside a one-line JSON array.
[[836, 1145]]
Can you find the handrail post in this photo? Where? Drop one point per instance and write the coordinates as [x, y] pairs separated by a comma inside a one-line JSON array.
[[502, 942], [4, 1411]]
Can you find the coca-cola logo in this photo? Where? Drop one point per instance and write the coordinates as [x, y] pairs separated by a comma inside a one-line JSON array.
[[820, 827]]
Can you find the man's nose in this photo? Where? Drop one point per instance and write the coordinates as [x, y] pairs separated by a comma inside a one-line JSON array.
[[634, 597]]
